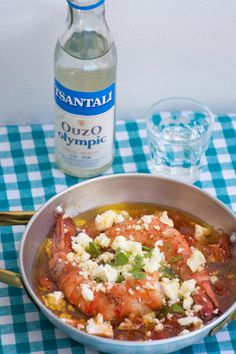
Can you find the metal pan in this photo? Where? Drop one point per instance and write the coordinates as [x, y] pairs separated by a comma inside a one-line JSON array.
[[108, 190]]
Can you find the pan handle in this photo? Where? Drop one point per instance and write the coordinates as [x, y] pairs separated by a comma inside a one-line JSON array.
[[228, 319], [8, 218], [11, 278]]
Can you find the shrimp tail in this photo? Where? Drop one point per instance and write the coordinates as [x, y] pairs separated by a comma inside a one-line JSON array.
[[58, 238], [203, 280], [206, 286], [208, 309]]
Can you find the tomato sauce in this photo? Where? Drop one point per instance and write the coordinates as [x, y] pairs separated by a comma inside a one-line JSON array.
[[216, 249]]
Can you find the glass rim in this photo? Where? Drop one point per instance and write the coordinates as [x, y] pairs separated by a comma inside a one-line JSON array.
[[181, 98], [149, 112]]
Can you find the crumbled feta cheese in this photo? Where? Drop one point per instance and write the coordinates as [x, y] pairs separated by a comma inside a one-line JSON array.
[[82, 239], [147, 219], [158, 243], [128, 325], [188, 302], [159, 327], [187, 287], [125, 215], [120, 242], [82, 258], [100, 287], [77, 248], [148, 285], [106, 257], [87, 292], [108, 218], [189, 313], [58, 296], [153, 263], [107, 273], [99, 327], [216, 311], [70, 257], [185, 331], [171, 289], [137, 227], [102, 240], [126, 245], [201, 233], [213, 279], [197, 308], [88, 269], [165, 219], [188, 321], [169, 316], [124, 270], [150, 317], [157, 227], [196, 261], [180, 250]]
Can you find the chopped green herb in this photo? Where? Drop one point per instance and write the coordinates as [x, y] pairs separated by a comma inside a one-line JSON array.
[[176, 308], [121, 258], [148, 249], [93, 250], [168, 272], [138, 261], [162, 313], [167, 246], [138, 274], [147, 255], [176, 259], [99, 280], [120, 278]]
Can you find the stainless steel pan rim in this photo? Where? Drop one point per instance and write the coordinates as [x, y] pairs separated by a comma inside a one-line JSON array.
[[206, 328]]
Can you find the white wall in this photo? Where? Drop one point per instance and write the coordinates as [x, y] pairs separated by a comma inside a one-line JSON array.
[[165, 47]]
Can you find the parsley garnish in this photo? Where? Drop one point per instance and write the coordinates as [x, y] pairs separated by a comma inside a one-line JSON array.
[[148, 249], [176, 259], [99, 280], [167, 246], [138, 274], [138, 262], [121, 258], [120, 278], [147, 255], [167, 272], [176, 308], [93, 250], [137, 269]]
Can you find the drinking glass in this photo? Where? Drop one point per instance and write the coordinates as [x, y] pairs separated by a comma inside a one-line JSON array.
[[179, 131]]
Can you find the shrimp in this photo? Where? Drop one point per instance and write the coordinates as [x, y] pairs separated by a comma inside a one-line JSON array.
[[177, 251], [114, 302]]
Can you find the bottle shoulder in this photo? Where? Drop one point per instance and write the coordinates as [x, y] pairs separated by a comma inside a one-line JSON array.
[[86, 45]]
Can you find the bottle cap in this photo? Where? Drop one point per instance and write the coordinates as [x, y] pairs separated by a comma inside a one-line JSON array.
[[88, 7]]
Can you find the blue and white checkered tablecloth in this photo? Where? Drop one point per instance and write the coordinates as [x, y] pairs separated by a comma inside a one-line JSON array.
[[29, 177]]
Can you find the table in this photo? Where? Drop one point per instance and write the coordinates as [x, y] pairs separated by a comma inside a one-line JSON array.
[[29, 177]]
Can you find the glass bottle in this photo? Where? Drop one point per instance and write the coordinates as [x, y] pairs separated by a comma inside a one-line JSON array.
[[85, 76]]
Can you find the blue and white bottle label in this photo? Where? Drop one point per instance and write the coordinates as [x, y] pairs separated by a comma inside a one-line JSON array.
[[84, 127], [84, 103]]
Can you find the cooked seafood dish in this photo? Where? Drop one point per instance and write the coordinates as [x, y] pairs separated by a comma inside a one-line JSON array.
[[135, 272]]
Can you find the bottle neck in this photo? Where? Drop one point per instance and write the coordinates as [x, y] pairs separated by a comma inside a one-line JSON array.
[[86, 30], [86, 16]]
